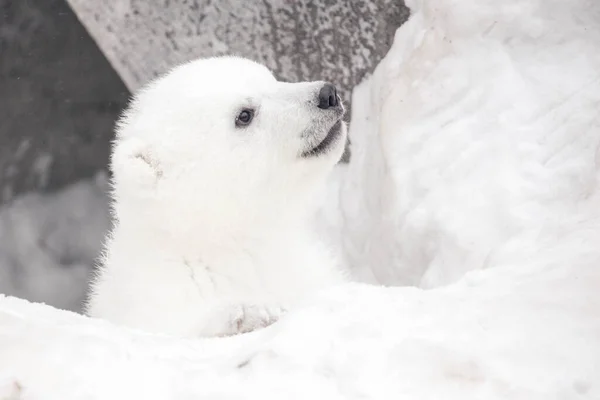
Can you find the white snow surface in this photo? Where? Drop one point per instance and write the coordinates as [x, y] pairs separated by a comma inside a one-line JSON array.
[[492, 336], [474, 176], [475, 143]]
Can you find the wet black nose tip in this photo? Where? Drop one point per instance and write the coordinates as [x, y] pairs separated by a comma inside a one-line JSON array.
[[328, 97]]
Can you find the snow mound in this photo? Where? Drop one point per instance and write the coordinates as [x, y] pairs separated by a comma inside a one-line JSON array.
[[498, 335], [474, 173], [475, 142]]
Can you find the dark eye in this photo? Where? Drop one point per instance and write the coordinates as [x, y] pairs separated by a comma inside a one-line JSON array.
[[244, 117]]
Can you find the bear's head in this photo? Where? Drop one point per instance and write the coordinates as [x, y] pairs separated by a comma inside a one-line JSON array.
[[219, 143]]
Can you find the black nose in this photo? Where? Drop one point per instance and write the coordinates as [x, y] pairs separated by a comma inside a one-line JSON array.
[[328, 97]]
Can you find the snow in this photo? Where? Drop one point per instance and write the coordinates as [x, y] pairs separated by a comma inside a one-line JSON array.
[[48, 243], [474, 178], [493, 336], [475, 141]]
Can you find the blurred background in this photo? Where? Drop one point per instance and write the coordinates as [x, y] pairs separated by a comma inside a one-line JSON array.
[[67, 69]]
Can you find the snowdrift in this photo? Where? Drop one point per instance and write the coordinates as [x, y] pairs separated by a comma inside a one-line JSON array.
[[474, 177]]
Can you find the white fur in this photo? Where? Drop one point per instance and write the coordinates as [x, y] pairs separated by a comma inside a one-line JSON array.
[[210, 234]]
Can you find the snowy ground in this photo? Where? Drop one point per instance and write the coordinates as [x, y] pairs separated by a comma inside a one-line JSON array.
[[474, 176], [494, 336]]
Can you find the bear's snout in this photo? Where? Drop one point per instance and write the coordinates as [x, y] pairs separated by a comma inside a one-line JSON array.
[[328, 97]]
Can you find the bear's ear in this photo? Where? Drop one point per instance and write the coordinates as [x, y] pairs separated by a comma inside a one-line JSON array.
[[135, 163]]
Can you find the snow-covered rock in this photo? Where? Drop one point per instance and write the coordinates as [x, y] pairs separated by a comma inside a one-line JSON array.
[[475, 173], [475, 143]]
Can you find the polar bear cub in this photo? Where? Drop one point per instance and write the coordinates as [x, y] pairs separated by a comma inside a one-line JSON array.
[[214, 168]]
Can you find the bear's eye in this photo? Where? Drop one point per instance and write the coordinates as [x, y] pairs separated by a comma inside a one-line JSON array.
[[244, 117]]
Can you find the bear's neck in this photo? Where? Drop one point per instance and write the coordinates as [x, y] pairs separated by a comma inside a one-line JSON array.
[[141, 240]]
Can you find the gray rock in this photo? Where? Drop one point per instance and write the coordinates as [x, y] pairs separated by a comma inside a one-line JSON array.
[[340, 41]]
